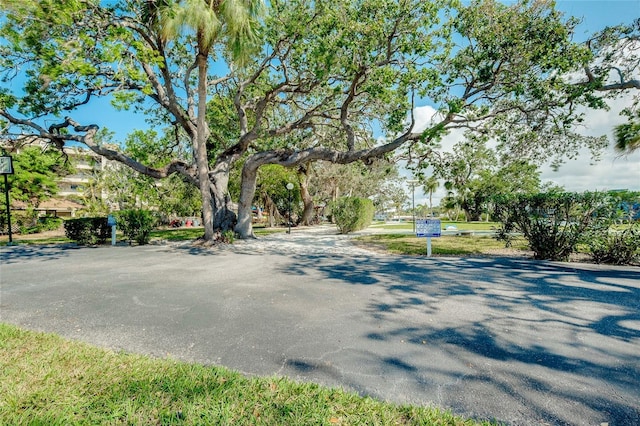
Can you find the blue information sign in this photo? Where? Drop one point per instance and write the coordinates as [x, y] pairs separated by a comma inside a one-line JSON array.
[[428, 228]]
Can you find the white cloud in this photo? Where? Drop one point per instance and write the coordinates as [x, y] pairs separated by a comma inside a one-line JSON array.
[[582, 174], [424, 115], [612, 171]]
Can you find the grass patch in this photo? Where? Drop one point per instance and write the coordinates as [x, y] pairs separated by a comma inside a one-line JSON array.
[[185, 234], [45, 379], [35, 240], [475, 226], [172, 234], [472, 226], [177, 234], [393, 225], [261, 230], [445, 245]]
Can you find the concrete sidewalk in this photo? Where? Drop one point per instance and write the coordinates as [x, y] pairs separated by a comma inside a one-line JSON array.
[[518, 341]]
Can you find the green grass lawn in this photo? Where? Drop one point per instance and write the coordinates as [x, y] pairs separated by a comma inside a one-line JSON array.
[[405, 243], [408, 226], [177, 234], [47, 380], [182, 234], [445, 245], [169, 234], [34, 239]]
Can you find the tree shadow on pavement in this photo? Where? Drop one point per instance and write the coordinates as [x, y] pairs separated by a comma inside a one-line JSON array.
[[561, 341], [13, 254]]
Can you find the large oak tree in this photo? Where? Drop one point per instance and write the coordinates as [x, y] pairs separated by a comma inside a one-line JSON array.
[[317, 79]]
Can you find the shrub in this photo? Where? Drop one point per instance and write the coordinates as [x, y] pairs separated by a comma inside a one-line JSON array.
[[228, 236], [79, 230], [553, 223], [24, 221], [42, 224], [136, 225], [87, 230], [49, 223], [352, 213], [617, 247]]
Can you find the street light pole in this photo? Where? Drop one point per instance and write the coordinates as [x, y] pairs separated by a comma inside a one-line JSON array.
[[6, 168], [289, 188]]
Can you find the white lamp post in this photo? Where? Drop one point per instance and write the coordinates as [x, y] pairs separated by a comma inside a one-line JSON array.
[[289, 187]]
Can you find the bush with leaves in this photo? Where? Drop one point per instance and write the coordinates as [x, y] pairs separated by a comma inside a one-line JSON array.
[[553, 223], [49, 223], [136, 225], [22, 221], [615, 247], [87, 230], [36, 173], [41, 224], [352, 213], [228, 236]]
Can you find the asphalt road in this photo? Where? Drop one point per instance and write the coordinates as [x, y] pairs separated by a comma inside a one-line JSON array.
[[518, 341]]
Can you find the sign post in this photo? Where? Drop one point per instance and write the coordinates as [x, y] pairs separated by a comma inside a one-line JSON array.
[[6, 168], [428, 228], [111, 221]]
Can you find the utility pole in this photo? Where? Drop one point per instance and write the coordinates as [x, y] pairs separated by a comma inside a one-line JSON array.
[[6, 168]]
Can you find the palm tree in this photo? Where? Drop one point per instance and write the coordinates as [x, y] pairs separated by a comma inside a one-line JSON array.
[[232, 21], [430, 186]]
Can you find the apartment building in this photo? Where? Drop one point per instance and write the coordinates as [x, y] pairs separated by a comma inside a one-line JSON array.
[[72, 188], [86, 164]]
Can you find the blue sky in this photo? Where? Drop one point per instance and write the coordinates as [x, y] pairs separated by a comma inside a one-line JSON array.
[[598, 14]]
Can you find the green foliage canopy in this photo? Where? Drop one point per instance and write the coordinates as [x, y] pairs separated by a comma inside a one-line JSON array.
[[36, 172], [323, 76]]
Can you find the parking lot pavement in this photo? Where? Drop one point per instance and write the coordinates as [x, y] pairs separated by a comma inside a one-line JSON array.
[[518, 341]]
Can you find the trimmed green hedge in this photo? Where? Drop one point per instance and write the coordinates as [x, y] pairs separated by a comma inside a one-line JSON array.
[[352, 213], [87, 230]]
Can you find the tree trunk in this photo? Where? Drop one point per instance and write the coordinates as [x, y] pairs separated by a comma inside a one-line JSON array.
[[200, 151], [244, 227], [307, 199], [272, 211], [224, 217]]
